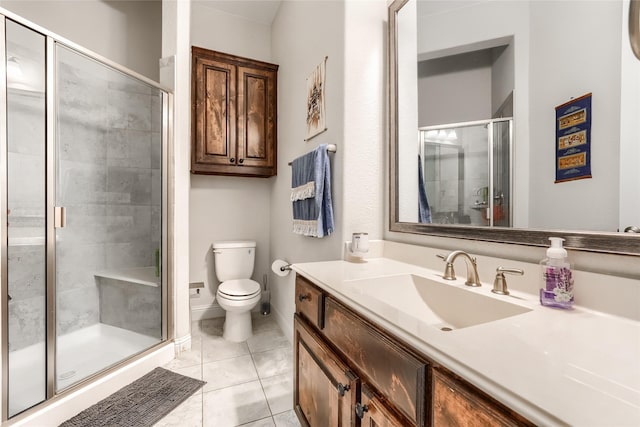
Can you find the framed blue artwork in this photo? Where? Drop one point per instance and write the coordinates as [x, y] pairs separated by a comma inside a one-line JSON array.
[[573, 139]]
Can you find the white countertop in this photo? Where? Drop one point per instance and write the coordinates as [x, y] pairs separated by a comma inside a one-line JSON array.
[[555, 367]]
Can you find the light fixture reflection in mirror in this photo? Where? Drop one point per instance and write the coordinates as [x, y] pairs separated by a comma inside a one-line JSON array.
[[589, 213]]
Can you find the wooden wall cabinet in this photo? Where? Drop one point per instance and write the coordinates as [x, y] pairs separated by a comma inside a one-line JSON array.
[[389, 384], [234, 115]]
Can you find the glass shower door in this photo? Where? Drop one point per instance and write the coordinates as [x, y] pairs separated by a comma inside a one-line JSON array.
[[466, 168], [108, 215], [26, 226]]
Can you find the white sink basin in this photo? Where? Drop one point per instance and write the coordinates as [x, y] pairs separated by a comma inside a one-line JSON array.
[[444, 306]]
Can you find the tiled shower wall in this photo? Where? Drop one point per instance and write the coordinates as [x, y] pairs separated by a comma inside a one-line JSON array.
[[109, 180]]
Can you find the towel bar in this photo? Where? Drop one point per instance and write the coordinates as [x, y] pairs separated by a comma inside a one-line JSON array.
[[331, 148]]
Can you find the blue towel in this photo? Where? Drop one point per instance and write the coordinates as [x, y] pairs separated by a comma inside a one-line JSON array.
[[311, 194], [424, 212]]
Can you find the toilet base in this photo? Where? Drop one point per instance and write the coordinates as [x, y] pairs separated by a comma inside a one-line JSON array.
[[237, 326]]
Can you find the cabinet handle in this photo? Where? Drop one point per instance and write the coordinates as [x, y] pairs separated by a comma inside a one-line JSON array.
[[240, 161], [342, 389], [303, 297], [232, 160], [361, 409]]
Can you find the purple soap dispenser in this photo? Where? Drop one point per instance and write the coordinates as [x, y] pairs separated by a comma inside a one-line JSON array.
[[557, 280]]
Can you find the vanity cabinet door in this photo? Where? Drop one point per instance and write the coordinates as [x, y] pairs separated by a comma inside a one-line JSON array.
[[456, 403], [374, 413], [391, 368], [325, 390]]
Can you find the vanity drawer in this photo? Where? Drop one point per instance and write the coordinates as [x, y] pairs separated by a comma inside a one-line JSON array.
[[396, 373], [309, 302], [458, 403]]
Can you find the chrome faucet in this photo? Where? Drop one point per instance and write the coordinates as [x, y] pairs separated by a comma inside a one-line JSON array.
[[472, 268]]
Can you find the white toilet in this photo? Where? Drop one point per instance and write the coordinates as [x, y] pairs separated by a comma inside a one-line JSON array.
[[237, 294]]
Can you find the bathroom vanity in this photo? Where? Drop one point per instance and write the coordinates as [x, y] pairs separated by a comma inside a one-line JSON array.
[[412, 389], [364, 349]]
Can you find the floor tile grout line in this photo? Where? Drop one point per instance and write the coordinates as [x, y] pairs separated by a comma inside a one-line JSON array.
[[262, 387], [251, 354]]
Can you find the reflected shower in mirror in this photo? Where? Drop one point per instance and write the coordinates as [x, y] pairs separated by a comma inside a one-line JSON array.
[[455, 62], [466, 174]]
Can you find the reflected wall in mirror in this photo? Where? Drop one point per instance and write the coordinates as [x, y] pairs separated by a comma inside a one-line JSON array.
[[453, 62]]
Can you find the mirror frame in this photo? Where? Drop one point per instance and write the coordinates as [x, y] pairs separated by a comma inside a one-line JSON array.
[[603, 242]]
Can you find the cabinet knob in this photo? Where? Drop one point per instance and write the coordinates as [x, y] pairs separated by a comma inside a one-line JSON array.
[[232, 160], [342, 389], [303, 297], [240, 161], [361, 409]]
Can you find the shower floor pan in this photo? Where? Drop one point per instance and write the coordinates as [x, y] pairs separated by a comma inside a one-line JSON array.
[[79, 354]]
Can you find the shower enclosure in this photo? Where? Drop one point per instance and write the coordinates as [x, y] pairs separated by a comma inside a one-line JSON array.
[[467, 172], [83, 214]]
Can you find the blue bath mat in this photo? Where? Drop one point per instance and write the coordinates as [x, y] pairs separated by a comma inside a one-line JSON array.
[[140, 404]]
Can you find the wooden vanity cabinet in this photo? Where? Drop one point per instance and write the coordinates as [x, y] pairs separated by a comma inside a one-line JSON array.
[[397, 373], [325, 389], [390, 383], [456, 403], [234, 118]]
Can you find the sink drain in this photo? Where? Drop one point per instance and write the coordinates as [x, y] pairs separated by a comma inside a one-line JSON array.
[[446, 329]]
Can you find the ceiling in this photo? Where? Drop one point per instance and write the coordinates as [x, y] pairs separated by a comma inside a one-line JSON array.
[[262, 11]]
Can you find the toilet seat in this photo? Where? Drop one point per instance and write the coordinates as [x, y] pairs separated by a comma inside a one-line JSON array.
[[239, 289]]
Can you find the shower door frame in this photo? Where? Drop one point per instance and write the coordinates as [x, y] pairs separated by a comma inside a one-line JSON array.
[[167, 200]]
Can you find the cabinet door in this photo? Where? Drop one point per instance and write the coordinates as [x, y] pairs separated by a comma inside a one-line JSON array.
[[388, 366], [214, 115], [257, 119], [458, 403], [374, 413], [325, 389]]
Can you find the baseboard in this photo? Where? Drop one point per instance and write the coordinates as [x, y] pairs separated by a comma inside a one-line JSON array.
[[209, 311], [182, 344]]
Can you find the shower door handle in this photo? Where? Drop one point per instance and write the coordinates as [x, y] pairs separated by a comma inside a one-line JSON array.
[[60, 217]]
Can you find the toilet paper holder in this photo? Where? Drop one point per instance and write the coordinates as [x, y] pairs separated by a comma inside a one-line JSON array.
[[285, 267], [281, 267]]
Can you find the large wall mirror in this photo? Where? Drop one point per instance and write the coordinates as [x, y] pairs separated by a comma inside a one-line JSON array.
[[477, 147]]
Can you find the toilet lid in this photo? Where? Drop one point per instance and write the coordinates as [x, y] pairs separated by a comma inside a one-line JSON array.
[[239, 287]]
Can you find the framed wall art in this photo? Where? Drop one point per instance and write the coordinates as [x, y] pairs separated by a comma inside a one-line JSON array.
[[573, 139], [316, 114]]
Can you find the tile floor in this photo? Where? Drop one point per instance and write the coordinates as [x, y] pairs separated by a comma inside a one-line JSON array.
[[248, 384]]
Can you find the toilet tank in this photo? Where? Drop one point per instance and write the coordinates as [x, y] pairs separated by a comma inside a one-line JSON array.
[[234, 260]]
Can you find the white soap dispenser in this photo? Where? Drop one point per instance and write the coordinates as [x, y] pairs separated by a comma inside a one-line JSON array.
[[557, 279]]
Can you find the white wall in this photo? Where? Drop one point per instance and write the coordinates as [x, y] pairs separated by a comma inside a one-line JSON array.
[[570, 70], [462, 95], [502, 77], [365, 114], [228, 208], [303, 33], [176, 52], [127, 32]]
